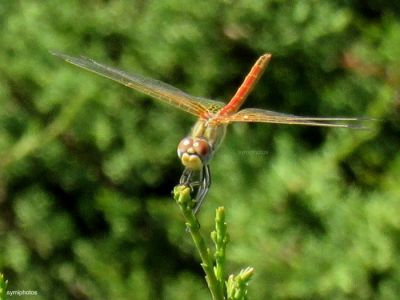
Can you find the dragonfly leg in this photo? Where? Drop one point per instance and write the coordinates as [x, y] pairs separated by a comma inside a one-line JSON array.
[[186, 177], [205, 178], [202, 183]]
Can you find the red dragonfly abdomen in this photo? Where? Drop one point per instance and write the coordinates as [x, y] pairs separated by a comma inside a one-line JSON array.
[[249, 82]]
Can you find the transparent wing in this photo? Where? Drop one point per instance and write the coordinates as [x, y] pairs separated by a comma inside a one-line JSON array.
[[267, 116], [154, 88]]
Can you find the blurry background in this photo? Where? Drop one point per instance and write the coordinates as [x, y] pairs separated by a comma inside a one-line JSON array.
[[87, 165]]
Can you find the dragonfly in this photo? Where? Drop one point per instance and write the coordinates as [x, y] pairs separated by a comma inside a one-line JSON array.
[[197, 149]]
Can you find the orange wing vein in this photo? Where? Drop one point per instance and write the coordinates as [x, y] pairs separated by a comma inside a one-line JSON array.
[[154, 88], [267, 116]]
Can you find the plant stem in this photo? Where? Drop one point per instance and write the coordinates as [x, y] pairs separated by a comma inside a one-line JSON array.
[[220, 237], [185, 203], [3, 287]]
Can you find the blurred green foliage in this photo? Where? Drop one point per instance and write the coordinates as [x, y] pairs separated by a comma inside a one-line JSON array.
[[87, 165]]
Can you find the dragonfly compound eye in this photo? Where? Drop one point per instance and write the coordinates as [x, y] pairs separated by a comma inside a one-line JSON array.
[[184, 145], [201, 147]]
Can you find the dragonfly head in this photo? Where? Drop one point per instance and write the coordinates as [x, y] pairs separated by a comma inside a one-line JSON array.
[[194, 153]]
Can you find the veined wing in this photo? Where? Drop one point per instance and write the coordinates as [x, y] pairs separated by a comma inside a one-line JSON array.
[[267, 116], [154, 88]]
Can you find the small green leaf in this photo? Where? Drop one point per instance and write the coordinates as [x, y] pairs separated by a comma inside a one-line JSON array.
[[237, 285]]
